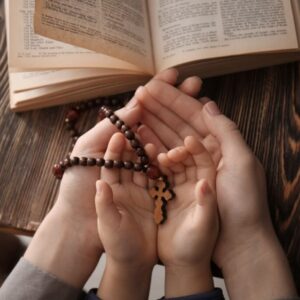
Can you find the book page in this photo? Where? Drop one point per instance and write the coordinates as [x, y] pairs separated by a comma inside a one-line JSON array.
[[22, 81], [29, 51], [189, 30], [112, 27]]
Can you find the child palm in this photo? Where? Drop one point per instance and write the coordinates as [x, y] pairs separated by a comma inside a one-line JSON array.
[[189, 234], [125, 209]]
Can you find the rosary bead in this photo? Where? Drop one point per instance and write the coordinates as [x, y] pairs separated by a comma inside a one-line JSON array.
[[124, 128], [108, 112], [138, 167], [135, 143], [69, 125], [83, 161], [108, 164], [91, 161], [101, 114], [118, 164], [58, 171], [129, 134], [128, 165], [67, 162], [91, 104], [114, 101], [144, 160], [72, 115], [140, 151], [74, 161], [119, 124], [153, 172], [113, 118], [100, 162], [98, 101], [73, 132], [106, 101]]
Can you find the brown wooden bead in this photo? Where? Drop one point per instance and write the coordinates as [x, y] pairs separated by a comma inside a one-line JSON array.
[[73, 132], [135, 143], [74, 161], [118, 164], [128, 165], [124, 128], [100, 162], [113, 118], [108, 112], [119, 124], [129, 134], [58, 171], [140, 151], [91, 161], [144, 160], [108, 164], [67, 162], [153, 172], [83, 161], [72, 115], [101, 114], [138, 167]]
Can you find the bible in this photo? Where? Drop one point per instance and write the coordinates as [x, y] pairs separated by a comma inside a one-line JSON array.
[[67, 51]]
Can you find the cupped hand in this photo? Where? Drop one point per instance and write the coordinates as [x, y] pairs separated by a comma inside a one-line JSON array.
[[125, 209], [188, 236]]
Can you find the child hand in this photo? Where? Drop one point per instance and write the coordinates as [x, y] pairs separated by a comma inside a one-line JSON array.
[[187, 239], [125, 225]]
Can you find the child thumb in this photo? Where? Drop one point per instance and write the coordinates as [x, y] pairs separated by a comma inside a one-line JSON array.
[[106, 209], [205, 196]]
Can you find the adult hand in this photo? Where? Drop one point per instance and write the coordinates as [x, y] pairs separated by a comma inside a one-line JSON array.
[[67, 242], [246, 233]]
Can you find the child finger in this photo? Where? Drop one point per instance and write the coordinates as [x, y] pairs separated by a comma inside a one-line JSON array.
[[107, 212], [199, 153], [112, 155]]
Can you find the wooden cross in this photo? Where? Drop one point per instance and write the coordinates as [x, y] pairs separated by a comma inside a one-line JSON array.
[[161, 195]]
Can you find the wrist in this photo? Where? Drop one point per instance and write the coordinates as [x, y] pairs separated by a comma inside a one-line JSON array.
[[63, 247], [125, 281], [261, 264], [188, 280]]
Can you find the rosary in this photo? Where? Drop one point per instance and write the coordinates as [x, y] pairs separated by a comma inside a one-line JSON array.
[[160, 193]]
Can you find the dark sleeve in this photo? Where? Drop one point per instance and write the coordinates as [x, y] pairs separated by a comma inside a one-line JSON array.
[[27, 281], [92, 295], [216, 294]]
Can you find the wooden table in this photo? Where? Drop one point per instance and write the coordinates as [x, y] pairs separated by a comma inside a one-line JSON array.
[[265, 104]]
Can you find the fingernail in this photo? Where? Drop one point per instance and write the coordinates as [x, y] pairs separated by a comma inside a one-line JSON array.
[[205, 188], [212, 108]]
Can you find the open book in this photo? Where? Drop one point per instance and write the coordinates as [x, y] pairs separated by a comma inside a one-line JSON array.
[[80, 50]]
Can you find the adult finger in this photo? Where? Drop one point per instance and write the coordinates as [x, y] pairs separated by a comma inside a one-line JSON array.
[[169, 76], [231, 141], [164, 114], [191, 86], [186, 107]]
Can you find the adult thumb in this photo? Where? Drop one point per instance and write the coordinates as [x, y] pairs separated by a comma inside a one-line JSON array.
[[106, 209], [225, 130]]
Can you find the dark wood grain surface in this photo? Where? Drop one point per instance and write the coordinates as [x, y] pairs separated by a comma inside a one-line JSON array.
[[265, 103]]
